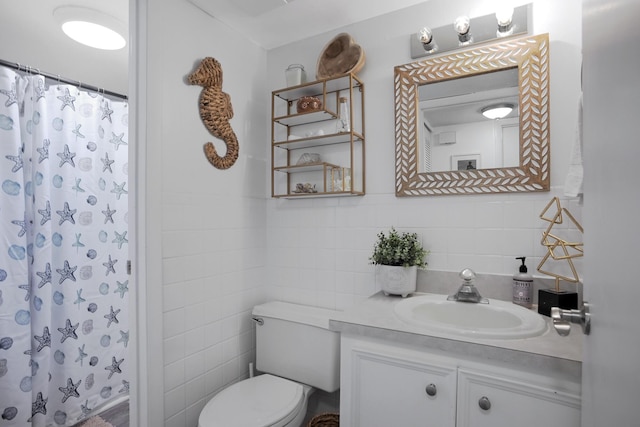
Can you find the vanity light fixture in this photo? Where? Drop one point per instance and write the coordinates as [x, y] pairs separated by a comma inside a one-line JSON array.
[[497, 111], [504, 16], [511, 21], [462, 25], [91, 27], [425, 36]]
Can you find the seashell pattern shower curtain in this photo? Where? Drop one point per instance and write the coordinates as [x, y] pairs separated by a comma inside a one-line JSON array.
[[63, 251]]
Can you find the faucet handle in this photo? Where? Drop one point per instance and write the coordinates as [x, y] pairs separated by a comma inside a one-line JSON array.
[[468, 275], [467, 292]]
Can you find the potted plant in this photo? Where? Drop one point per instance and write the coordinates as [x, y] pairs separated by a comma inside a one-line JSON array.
[[397, 257]]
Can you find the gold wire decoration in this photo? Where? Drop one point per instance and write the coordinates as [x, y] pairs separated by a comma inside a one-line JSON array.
[[559, 249]]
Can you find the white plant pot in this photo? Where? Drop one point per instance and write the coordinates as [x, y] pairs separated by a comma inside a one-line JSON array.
[[397, 280]]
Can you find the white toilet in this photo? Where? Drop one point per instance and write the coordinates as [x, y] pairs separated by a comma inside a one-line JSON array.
[[297, 353]]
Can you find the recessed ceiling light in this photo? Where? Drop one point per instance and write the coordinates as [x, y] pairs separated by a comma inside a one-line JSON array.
[[91, 27], [94, 35], [497, 111]]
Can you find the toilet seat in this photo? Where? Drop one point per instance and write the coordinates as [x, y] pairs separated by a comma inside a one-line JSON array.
[[261, 401]]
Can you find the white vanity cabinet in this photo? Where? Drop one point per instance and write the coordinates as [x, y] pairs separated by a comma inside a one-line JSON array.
[[493, 398], [386, 384], [384, 387]]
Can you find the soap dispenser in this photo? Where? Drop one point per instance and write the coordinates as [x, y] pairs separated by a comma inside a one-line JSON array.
[[523, 286]]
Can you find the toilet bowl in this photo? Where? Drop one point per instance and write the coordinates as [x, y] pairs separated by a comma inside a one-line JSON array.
[[297, 353], [264, 400]]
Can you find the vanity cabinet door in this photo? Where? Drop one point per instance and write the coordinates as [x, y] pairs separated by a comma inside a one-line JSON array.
[[386, 389], [489, 400]]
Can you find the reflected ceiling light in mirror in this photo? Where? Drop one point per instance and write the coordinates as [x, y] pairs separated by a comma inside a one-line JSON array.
[[91, 27], [497, 111], [425, 36], [504, 16], [462, 25]]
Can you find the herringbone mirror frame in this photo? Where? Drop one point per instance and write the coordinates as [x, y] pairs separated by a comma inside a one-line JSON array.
[[530, 54]]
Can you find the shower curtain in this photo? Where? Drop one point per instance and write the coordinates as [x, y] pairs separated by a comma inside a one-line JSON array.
[[63, 251]]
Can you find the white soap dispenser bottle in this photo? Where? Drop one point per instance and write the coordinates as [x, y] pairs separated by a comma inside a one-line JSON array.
[[523, 286]]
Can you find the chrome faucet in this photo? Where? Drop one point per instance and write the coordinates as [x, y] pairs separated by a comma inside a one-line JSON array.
[[467, 292]]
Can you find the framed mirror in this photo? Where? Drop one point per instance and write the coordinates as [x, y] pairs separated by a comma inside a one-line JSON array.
[[465, 174]]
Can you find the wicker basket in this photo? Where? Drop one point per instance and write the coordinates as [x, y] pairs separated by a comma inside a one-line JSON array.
[[329, 419]]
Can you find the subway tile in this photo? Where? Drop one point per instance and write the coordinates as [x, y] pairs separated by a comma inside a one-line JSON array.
[[173, 349], [173, 296], [173, 270], [213, 381], [177, 420], [174, 322], [174, 401], [194, 366], [194, 390], [194, 316], [194, 341], [174, 375]]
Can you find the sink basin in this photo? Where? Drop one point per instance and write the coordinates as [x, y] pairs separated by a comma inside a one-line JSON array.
[[496, 320]]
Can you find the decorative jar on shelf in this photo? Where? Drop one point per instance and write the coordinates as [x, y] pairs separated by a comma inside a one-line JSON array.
[[295, 75], [344, 118]]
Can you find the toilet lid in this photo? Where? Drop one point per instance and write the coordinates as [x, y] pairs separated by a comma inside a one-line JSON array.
[[260, 401]]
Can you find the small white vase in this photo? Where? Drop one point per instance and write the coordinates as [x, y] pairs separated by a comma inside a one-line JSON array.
[[397, 280]]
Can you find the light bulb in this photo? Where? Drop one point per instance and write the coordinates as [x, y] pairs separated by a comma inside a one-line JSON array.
[[425, 35], [462, 24], [504, 16]]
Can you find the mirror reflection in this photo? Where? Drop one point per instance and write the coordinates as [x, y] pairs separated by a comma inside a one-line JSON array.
[[456, 135]]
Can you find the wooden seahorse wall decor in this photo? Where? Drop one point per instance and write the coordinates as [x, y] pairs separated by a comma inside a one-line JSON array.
[[215, 112]]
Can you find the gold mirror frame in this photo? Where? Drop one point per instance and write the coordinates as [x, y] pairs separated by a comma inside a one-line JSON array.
[[531, 55]]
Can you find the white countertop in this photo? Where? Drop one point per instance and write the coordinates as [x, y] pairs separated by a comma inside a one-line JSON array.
[[375, 318]]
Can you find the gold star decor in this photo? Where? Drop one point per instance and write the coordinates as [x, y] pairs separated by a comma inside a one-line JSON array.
[[559, 249]]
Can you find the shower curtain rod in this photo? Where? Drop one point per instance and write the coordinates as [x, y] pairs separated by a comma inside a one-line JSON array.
[[28, 69]]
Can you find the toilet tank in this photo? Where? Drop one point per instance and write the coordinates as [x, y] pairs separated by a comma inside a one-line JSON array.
[[294, 341]]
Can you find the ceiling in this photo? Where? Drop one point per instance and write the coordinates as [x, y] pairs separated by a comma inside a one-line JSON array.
[[268, 23], [273, 23]]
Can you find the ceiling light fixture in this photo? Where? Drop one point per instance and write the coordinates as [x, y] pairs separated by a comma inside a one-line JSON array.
[[497, 111], [91, 27], [94, 35]]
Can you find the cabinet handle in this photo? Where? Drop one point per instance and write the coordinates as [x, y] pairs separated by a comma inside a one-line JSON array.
[[484, 403], [431, 390]]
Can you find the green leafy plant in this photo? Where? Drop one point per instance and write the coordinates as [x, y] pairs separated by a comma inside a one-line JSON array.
[[399, 249]]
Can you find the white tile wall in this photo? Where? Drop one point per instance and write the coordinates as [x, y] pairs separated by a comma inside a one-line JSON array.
[[213, 227], [329, 266], [330, 252]]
